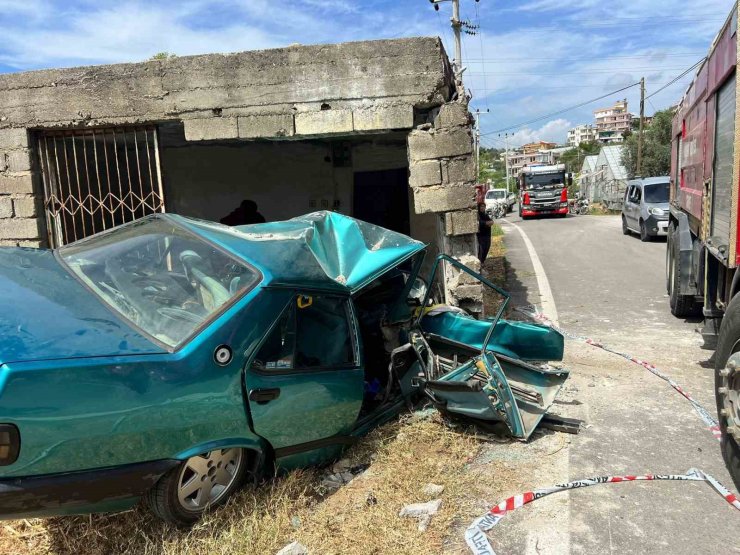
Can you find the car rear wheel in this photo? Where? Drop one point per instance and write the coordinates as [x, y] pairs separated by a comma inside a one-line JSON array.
[[681, 305], [199, 483], [727, 387], [644, 235], [625, 229]]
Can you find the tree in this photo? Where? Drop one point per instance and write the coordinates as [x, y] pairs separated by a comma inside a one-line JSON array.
[[573, 158], [163, 56], [656, 147]]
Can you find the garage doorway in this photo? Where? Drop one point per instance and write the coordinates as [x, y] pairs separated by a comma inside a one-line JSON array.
[[382, 198]]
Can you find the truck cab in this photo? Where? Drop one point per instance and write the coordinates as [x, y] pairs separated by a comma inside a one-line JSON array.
[[543, 190]]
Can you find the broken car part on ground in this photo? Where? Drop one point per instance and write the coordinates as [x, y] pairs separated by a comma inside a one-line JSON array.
[[193, 356]]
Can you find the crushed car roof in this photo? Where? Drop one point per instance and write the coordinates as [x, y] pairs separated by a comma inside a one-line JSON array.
[[323, 250]]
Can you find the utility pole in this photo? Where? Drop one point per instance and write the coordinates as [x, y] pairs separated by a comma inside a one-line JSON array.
[[477, 115], [506, 159], [638, 169], [458, 26]]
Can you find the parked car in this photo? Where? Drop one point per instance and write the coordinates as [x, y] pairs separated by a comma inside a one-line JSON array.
[[502, 196], [645, 209], [173, 359]]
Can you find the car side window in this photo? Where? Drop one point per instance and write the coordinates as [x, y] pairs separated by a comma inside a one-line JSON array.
[[314, 332], [630, 191], [638, 194]]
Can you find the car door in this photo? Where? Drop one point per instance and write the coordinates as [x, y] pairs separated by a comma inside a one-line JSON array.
[[304, 383], [636, 202]]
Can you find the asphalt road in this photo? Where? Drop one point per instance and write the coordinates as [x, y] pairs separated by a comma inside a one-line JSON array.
[[612, 288]]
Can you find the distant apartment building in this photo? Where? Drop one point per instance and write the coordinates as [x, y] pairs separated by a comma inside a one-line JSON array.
[[581, 134], [531, 154], [613, 122]]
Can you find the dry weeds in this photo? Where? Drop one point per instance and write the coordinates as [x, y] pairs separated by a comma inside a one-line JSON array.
[[362, 517]]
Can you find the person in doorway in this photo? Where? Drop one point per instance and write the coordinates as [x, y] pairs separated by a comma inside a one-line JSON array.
[[246, 213], [484, 233]]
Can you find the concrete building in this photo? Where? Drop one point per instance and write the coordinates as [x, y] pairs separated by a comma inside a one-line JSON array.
[[581, 134], [531, 148], [612, 122], [521, 157], [371, 129]]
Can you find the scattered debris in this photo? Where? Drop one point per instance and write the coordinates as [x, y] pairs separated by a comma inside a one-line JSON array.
[[433, 490], [295, 522], [475, 535], [293, 548], [371, 499], [342, 472], [422, 512]]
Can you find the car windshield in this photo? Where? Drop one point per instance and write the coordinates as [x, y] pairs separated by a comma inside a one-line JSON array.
[[496, 194], [656, 192], [162, 278]]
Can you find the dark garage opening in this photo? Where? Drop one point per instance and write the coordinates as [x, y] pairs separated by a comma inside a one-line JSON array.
[[382, 198]]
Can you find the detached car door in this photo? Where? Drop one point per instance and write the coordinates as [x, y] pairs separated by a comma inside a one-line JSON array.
[[304, 383]]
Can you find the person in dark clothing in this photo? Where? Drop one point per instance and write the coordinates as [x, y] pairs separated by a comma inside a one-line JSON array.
[[245, 214], [484, 232]]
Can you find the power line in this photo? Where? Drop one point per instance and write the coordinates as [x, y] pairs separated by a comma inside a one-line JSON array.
[[560, 111], [677, 78]]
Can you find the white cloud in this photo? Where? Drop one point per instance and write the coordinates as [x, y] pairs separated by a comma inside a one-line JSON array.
[[555, 131]]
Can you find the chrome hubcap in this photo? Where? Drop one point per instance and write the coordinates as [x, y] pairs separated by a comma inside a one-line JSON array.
[[205, 478], [729, 392]]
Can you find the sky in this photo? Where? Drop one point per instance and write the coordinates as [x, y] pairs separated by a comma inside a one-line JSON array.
[[529, 58]]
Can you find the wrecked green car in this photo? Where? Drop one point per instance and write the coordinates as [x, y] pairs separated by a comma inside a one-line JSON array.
[[173, 359]]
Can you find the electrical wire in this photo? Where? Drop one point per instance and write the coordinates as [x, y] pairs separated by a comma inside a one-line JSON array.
[[546, 116], [676, 79]]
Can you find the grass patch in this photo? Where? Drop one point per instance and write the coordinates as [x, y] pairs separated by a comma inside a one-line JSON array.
[[497, 230], [360, 517]]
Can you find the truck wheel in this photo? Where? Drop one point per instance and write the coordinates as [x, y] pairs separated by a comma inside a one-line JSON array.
[[644, 236], [197, 484], [681, 305], [727, 387], [625, 229]]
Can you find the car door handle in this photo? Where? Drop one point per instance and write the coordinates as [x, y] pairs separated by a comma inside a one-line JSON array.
[[262, 396]]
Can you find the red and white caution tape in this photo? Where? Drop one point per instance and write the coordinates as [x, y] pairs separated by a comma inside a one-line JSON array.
[[475, 535], [708, 419]]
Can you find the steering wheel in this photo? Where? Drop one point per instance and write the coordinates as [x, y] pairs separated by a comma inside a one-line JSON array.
[[179, 314]]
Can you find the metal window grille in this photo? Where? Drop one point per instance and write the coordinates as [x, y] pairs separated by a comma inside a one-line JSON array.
[[95, 179]]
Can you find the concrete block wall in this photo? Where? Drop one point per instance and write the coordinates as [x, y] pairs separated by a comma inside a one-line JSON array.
[[19, 207], [442, 176]]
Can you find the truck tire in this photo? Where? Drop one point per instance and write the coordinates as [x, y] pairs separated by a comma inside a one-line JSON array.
[[727, 411], [681, 305]]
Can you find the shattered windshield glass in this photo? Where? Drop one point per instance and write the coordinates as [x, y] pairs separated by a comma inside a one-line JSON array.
[[160, 277]]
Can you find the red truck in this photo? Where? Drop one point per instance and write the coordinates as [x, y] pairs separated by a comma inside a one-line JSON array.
[[703, 250]]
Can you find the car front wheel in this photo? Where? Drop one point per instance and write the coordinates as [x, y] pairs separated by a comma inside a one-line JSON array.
[[199, 483], [644, 235], [625, 229]]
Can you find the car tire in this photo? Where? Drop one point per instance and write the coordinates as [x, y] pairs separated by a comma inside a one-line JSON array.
[[681, 305], [625, 229], [644, 235], [176, 497], [728, 344]]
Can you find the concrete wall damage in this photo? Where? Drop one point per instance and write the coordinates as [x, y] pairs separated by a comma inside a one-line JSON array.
[[299, 93]]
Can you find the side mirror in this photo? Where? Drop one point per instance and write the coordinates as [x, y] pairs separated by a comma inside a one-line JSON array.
[[569, 180]]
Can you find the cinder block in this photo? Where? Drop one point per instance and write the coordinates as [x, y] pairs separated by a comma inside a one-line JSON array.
[[266, 126], [459, 169], [425, 173], [6, 207], [24, 207], [452, 114], [16, 184], [461, 222], [473, 292], [425, 145], [19, 228], [442, 198], [17, 160], [383, 117], [323, 122], [13, 138], [211, 129]]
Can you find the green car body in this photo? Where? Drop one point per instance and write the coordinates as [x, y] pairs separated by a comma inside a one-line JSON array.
[[122, 357]]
